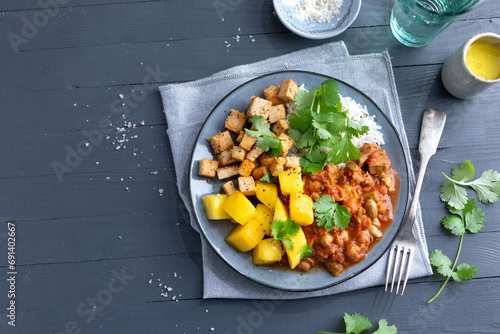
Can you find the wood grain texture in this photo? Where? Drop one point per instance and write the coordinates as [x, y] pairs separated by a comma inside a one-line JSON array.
[[114, 218]]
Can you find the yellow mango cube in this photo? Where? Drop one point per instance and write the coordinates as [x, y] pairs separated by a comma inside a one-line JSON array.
[[245, 237], [268, 251], [267, 193], [301, 209], [213, 206], [239, 207], [264, 217], [299, 241], [280, 212], [291, 181]]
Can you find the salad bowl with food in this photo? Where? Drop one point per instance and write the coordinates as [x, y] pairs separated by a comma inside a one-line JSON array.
[[298, 181]]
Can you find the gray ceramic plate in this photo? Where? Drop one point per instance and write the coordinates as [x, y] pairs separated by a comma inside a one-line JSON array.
[[215, 232], [312, 29]]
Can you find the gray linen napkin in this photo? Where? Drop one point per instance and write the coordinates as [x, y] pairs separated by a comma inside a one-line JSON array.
[[187, 105]]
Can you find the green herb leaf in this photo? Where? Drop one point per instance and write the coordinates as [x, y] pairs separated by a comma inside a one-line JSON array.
[[330, 214], [268, 178], [283, 229], [356, 323], [304, 98], [464, 272], [300, 120], [265, 137], [384, 329], [463, 172], [454, 224], [306, 252], [441, 262], [474, 220], [454, 195]]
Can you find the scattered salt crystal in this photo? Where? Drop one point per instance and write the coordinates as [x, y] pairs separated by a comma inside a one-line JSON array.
[[97, 162], [169, 289], [87, 144], [121, 95], [107, 177]]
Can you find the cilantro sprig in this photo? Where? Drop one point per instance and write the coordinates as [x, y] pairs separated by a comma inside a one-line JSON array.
[[266, 140], [487, 187], [306, 252], [330, 214], [284, 229], [320, 122], [356, 323], [465, 216]]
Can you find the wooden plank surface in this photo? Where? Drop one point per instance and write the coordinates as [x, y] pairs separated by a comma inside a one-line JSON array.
[[115, 215]]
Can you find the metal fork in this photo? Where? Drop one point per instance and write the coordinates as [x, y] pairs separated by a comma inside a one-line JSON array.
[[403, 248]]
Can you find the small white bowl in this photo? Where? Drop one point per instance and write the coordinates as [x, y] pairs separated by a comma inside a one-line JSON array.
[[312, 29]]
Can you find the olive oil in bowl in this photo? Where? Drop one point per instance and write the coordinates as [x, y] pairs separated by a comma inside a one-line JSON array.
[[483, 59]]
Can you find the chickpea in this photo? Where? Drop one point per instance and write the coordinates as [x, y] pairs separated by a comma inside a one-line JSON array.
[[326, 240], [371, 208], [352, 166], [375, 232]]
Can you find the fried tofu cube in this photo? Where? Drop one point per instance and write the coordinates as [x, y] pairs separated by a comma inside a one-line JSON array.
[[288, 89], [276, 113], [277, 166], [292, 162], [258, 173], [240, 136], [238, 153], [207, 167], [221, 142], [254, 153], [236, 121], [225, 158], [259, 107], [247, 142], [281, 126], [246, 168], [246, 185], [287, 144], [271, 94], [229, 187], [266, 160], [228, 171]]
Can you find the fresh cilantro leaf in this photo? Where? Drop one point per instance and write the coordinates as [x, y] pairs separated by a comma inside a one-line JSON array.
[[309, 166], [464, 172], [454, 224], [344, 151], [357, 129], [261, 128], [265, 137], [283, 230], [454, 195], [304, 98], [441, 262], [321, 130], [330, 214], [464, 272], [306, 252], [384, 329], [356, 323], [268, 178], [300, 120], [474, 220], [294, 134], [329, 92], [487, 187], [306, 140]]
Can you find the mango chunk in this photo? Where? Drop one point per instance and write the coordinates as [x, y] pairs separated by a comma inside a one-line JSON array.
[[267, 193], [299, 241], [301, 209], [268, 251], [264, 217], [245, 237], [213, 206], [280, 212], [239, 207], [291, 181]]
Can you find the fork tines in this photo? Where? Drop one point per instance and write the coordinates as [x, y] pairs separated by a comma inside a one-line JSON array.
[[399, 253]]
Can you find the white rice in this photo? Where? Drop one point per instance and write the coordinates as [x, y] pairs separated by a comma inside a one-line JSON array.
[[357, 113]]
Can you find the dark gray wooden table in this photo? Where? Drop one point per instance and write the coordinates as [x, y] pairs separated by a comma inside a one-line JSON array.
[[100, 231]]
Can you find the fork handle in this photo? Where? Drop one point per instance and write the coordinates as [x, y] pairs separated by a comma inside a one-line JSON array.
[[430, 133]]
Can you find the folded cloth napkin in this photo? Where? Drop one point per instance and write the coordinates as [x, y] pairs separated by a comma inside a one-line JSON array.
[[187, 105]]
